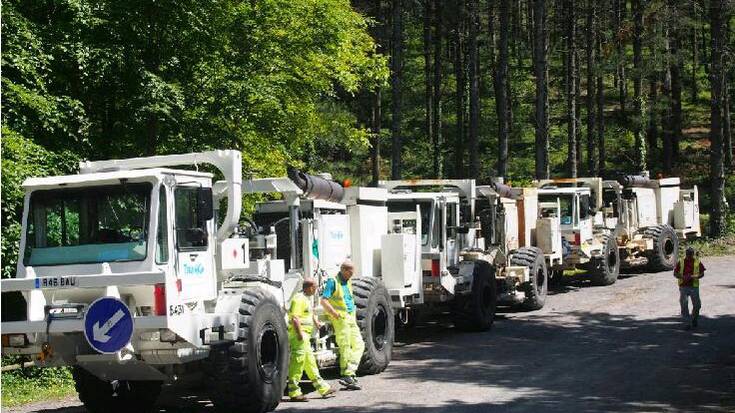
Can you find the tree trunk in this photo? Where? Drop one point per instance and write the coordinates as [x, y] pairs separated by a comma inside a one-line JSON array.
[[571, 83], [652, 129], [376, 101], [396, 95], [375, 127], [675, 69], [474, 78], [640, 147], [667, 123], [578, 106], [695, 51], [461, 85], [590, 98], [600, 105], [501, 98], [438, 143], [621, 10], [428, 73], [600, 125], [726, 132], [717, 170], [540, 53]]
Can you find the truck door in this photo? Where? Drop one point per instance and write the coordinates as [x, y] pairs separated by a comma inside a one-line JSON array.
[[449, 218], [194, 235]]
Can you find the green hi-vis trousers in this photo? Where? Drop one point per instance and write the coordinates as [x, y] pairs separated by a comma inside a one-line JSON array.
[[303, 360], [349, 341]]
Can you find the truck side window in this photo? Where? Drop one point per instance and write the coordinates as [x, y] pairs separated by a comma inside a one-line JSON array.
[[584, 206], [191, 230], [451, 220], [162, 232]]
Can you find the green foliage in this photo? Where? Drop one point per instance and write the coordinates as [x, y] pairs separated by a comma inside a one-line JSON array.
[[105, 79], [31, 384], [21, 159]]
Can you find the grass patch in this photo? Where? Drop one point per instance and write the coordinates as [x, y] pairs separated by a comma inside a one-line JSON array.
[[36, 384], [714, 247]]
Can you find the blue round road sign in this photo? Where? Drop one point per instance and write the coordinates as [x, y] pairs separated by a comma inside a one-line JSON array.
[[108, 325]]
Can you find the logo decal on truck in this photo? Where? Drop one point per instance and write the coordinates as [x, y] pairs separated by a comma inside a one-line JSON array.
[[193, 269]]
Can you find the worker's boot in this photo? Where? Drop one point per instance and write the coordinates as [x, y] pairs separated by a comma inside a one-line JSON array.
[[329, 394], [695, 322], [350, 383]]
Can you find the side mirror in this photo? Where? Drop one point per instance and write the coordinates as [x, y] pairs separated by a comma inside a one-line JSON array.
[[205, 204]]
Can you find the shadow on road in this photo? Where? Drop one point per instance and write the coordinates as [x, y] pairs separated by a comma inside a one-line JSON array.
[[594, 362], [598, 362]]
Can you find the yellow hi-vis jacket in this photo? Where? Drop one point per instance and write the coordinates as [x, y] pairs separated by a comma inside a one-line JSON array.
[[337, 300], [695, 272], [301, 309]]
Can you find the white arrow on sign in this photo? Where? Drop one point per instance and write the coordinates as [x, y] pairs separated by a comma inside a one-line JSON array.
[[100, 330]]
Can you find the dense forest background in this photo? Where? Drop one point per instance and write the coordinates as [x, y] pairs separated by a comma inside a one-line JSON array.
[[372, 89]]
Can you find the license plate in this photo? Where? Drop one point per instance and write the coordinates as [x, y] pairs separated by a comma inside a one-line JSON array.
[[56, 282]]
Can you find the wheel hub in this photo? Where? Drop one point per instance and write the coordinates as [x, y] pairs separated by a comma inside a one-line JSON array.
[[379, 325], [540, 280], [268, 352]]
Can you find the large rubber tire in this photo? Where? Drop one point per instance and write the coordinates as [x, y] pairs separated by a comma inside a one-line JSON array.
[[377, 323], [476, 312], [114, 396], [605, 270], [665, 248], [249, 375], [537, 288]]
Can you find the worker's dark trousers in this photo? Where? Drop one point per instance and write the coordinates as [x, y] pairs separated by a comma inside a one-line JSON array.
[[684, 294]]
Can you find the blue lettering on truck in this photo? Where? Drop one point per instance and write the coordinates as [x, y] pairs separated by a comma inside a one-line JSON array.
[[193, 269]]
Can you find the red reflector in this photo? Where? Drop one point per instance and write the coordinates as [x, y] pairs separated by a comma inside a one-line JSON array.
[[577, 239], [435, 268], [159, 299]]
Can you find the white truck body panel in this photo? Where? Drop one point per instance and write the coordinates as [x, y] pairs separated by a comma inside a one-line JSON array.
[[368, 224], [401, 268]]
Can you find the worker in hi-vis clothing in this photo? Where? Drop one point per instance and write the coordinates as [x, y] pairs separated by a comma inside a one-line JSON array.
[[300, 327], [688, 272], [338, 302]]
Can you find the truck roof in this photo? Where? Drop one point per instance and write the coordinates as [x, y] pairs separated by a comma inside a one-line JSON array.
[[566, 190], [98, 178], [422, 195]]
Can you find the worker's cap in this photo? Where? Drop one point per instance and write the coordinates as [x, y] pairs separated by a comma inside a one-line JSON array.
[[308, 282], [690, 251], [347, 265]]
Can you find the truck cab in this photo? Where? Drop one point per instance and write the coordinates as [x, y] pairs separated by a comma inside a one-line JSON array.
[[576, 215]]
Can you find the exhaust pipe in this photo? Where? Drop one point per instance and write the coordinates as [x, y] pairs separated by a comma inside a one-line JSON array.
[[638, 181], [316, 187], [504, 191]]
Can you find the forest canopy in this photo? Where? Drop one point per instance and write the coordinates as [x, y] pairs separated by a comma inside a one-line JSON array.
[[372, 89]]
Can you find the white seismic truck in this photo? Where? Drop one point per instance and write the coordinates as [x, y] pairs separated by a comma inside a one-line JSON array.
[[477, 249], [133, 276], [649, 218], [634, 221]]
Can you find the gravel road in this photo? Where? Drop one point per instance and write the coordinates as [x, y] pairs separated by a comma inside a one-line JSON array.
[[611, 349]]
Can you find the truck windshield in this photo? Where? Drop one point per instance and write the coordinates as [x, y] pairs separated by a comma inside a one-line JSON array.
[[88, 225], [566, 204], [409, 205]]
